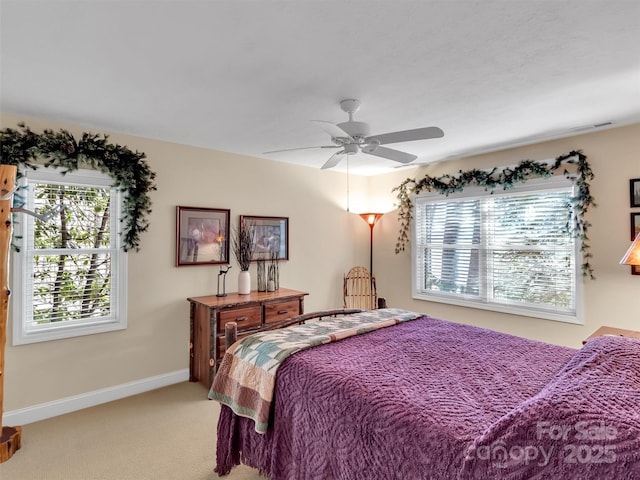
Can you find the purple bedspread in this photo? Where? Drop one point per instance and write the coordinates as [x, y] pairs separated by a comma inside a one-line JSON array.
[[584, 424], [404, 402]]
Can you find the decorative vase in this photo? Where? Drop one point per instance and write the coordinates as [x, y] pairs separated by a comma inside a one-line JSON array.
[[244, 282], [262, 276], [274, 273]]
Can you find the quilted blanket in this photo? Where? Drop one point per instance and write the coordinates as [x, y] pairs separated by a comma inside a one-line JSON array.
[[246, 378], [404, 402]]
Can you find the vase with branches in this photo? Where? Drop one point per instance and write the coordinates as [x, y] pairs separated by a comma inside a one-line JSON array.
[[243, 243]]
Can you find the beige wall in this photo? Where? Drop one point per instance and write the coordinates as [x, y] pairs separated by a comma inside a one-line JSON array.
[[611, 299], [325, 241]]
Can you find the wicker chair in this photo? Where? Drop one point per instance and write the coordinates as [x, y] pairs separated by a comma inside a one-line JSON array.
[[360, 289]]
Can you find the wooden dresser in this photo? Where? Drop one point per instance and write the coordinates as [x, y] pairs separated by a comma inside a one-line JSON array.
[[209, 314]]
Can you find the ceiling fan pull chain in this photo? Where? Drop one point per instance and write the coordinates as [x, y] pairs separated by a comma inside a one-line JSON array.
[[347, 183]]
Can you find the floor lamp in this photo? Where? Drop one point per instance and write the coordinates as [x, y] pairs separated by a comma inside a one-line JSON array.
[[371, 219]]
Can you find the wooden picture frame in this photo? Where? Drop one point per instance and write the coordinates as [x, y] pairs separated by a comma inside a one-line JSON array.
[[634, 192], [635, 231], [202, 236], [270, 234]]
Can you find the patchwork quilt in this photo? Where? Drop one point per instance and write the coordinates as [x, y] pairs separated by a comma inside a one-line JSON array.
[[246, 378]]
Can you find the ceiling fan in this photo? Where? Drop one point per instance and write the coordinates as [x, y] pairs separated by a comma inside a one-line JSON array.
[[351, 137]]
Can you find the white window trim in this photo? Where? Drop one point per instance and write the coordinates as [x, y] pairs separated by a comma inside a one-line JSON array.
[[118, 320], [453, 299]]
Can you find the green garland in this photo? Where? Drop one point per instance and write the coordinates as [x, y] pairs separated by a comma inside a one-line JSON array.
[[131, 174], [506, 178]]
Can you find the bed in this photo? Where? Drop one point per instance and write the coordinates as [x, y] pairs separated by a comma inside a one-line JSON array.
[[423, 398]]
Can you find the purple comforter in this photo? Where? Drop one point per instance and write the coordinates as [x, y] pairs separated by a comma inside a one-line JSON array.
[[406, 402], [584, 424]]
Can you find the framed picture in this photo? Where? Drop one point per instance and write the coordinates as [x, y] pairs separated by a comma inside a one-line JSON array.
[[271, 234], [634, 192], [635, 230], [635, 225], [202, 236]]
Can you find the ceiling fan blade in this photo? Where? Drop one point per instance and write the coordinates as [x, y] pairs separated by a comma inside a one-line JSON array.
[[333, 160], [408, 135], [301, 148], [332, 129], [391, 154]]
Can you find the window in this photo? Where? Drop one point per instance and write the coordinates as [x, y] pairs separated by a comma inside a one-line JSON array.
[[508, 251], [69, 278]]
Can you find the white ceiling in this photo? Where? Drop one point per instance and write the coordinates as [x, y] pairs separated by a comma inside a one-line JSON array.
[[248, 76]]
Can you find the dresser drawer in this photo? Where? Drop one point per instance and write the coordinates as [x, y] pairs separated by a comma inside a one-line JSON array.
[[276, 311], [245, 317], [222, 346]]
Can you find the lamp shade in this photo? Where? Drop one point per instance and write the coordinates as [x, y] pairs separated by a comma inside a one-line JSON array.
[[632, 257], [371, 218]]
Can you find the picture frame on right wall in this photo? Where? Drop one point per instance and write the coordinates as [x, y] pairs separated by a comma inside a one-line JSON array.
[[635, 231], [634, 192], [270, 236]]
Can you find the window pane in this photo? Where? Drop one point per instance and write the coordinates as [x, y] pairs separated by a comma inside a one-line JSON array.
[[538, 219], [452, 223], [84, 222], [452, 271], [535, 265], [71, 287], [533, 277], [450, 234]]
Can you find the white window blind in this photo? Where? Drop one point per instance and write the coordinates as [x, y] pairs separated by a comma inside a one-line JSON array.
[[509, 251], [70, 274]]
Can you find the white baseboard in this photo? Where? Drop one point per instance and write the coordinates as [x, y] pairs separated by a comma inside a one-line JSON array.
[[43, 411]]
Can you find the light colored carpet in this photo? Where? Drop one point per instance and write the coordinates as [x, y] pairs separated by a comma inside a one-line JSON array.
[[166, 434]]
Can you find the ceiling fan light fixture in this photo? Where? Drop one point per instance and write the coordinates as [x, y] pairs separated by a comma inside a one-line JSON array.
[[371, 146], [351, 148]]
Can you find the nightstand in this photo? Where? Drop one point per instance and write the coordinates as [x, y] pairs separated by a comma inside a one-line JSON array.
[[602, 331]]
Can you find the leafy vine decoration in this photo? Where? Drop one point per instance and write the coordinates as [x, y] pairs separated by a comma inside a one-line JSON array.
[[506, 178], [130, 172]]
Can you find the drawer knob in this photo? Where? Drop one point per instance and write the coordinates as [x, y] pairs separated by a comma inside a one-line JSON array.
[[241, 319], [282, 312]]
